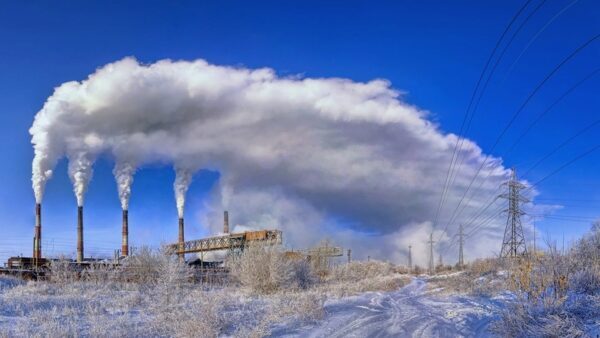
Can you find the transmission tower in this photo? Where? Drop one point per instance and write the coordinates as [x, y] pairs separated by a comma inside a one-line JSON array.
[[410, 258], [430, 242], [461, 242], [513, 244]]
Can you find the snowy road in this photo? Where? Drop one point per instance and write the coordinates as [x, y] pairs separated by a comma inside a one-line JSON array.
[[411, 311]]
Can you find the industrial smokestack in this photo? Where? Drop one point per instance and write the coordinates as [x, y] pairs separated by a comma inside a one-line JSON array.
[[226, 222], [37, 238], [79, 234], [181, 240], [125, 239]]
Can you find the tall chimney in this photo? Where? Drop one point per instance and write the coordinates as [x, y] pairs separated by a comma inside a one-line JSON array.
[[125, 239], [79, 234], [226, 222], [37, 239], [181, 241]]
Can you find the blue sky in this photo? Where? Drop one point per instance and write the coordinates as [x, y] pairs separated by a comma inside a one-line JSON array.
[[432, 50]]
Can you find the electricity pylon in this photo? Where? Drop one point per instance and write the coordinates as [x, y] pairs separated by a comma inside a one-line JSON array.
[[430, 242], [513, 244], [410, 258], [461, 242]]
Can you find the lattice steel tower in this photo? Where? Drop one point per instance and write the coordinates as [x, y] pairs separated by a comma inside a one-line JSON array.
[[410, 258], [461, 243], [513, 244], [430, 242]]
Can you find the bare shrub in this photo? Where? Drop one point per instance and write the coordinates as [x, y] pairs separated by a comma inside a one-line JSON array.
[[142, 267], [100, 274], [481, 267], [482, 277], [359, 270], [190, 313], [544, 320], [265, 270], [63, 271], [586, 281], [557, 293], [290, 306], [359, 276]]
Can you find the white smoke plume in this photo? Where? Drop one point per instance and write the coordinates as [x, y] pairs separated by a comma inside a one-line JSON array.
[[183, 178], [80, 172], [317, 157], [123, 172]]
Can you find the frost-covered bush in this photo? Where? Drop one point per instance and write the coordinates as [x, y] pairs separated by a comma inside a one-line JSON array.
[[485, 266], [558, 294], [482, 277], [356, 277], [264, 270], [299, 307], [546, 319], [63, 271], [359, 270], [148, 267], [585, 281]]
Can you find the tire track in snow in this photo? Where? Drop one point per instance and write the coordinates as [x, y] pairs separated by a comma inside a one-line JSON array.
[[411, 311]]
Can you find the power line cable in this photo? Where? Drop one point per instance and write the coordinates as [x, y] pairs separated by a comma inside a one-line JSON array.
[[467, 112], [520, 109]]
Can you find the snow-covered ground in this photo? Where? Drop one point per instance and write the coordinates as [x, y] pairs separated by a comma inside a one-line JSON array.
[[417, 307], [412, 311]]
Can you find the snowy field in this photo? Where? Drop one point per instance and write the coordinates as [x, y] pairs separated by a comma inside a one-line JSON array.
[[412, 311], [267, 294]]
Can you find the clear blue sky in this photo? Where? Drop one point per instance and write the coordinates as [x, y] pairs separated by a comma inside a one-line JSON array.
[[433, 50]]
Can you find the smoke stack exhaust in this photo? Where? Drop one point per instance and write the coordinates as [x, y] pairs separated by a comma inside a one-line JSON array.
[[37, 237], [181, 240], [226, 222], [79, 234], [125, 239]]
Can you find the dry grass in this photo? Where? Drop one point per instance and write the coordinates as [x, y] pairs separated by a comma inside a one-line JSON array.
[[357, 277], [483, 277], [152, 295], [557, 294]]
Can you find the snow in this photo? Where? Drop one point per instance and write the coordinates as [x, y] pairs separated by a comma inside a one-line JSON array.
[[419, 309], [412, 311], [9, 282]]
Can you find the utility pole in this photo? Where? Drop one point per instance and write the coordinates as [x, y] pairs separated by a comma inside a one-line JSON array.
[[431, 267], [513, 244], [461, 242], [534, 235], [410, 258], [441, 262], [349, 256]]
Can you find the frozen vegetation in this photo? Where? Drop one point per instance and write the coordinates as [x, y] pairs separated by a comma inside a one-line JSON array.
[[268, 293], [152, 296]]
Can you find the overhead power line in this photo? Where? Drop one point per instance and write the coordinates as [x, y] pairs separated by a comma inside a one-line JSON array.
[[519, 111], [460, 139]]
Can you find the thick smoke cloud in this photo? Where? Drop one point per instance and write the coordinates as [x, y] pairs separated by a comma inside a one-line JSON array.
[[315, 157]]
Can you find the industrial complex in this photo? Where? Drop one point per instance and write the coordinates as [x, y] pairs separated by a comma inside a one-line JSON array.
[[37, 266]]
